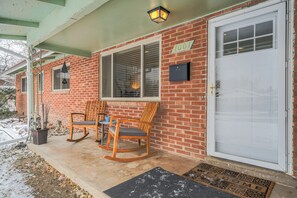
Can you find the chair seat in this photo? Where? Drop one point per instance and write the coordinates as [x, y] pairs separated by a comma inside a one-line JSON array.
[[85, 123], [128, 131]]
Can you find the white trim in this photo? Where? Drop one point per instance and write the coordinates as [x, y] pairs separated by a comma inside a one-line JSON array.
[[141, 43], [290, 83], [53, 84], [24, 92], [241, 15], [245, 10]]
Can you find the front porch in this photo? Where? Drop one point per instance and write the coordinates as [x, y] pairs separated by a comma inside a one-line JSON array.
[[84, 164]]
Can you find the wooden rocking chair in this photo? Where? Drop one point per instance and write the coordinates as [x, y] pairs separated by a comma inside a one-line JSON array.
[[94, 113], [142, 131]]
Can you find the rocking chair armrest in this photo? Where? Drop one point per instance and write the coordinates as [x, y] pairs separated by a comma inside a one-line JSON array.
[[72, 114], [98, 116]]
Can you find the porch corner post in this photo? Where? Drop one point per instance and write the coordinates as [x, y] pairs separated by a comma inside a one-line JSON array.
[[29, 87]]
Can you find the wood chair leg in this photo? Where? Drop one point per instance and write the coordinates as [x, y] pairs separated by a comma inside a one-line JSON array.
[[97, 135], [148, 145], [85, 130], [115, 146], [139, 142], [71, 132], [108, 140]]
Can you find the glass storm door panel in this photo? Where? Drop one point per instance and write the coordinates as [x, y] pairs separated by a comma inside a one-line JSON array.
[[249, 91]]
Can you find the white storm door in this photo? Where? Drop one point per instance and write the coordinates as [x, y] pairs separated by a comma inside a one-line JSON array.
[[246, 94]]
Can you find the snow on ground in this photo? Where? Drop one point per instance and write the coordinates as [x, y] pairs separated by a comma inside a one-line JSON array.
[[25, 175], [12, 129], [12, 181]]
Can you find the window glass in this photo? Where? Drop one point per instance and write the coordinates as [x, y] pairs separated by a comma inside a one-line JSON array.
[[131, 73], [24, 84], [246, 32], [126, 73], [230, 36], [61, 80], [264, 28], [246, 46], [106, 76], [230, 49], [264, 42], [151, 70]]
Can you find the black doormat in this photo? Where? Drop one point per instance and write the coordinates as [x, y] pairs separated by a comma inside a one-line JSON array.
[[236, 183], [159, 183]]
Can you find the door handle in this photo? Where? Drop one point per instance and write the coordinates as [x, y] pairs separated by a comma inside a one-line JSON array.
[[212, 87]]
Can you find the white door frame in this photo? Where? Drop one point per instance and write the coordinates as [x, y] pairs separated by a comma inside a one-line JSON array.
[[281, 32]]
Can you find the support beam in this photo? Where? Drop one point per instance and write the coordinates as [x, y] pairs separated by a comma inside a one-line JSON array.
[[13, 53], [60, 19], [19, 22], [30, 97], [13, 37], [56, 2], [62, 49]]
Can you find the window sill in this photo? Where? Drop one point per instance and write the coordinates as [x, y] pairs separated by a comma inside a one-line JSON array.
[[61, 91]]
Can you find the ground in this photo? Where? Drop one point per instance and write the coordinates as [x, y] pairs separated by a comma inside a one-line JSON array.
[[24, 174]]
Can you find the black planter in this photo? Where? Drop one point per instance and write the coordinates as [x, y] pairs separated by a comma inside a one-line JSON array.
[[39, 136]]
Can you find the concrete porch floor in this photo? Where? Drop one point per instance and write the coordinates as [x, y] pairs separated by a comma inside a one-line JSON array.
[[84, 164]]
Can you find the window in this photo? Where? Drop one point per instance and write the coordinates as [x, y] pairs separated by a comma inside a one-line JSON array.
[[61, 80], [249, 38], [40, 79], [131, 73], [24, 84]]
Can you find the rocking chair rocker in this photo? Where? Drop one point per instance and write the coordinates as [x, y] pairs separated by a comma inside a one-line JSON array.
[[94, 113], [142, 131]]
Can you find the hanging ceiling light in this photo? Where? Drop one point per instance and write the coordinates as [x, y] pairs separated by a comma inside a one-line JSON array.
[[64, 68], [64, 71], [158, 14]]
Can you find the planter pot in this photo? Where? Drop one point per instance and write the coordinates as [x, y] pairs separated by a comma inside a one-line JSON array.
[[39, 136]]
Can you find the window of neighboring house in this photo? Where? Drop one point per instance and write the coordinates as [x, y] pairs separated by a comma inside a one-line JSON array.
[[24, 84], [61, 80], [40, 79], [132, 73]]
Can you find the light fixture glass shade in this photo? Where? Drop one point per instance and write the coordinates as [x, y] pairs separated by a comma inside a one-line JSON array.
[[158, 14], [64, 68], [64, 81]]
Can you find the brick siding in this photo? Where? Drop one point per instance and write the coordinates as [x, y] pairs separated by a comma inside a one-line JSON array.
[[180, 123]]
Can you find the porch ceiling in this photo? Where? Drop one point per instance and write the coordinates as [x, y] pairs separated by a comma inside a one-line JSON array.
[[81, 27], [121, 20]]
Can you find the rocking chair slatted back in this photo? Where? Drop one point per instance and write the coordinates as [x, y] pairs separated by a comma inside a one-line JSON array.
[[93, 108], [148, 115]]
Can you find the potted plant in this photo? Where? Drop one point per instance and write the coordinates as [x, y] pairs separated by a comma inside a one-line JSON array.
[[39, 127], [39, 123]]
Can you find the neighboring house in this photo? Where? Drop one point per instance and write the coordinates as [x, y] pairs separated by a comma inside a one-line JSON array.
[[239, 103]]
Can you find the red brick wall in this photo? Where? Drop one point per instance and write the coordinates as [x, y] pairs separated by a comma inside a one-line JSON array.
[[83, 87], [180, 124]]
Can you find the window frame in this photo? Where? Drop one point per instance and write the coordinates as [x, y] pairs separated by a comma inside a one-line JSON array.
[[141, 43], [53, 79], [38, 78], [24, 77]]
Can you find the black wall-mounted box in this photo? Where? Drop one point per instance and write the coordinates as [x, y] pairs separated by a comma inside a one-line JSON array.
[[180, 72]]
